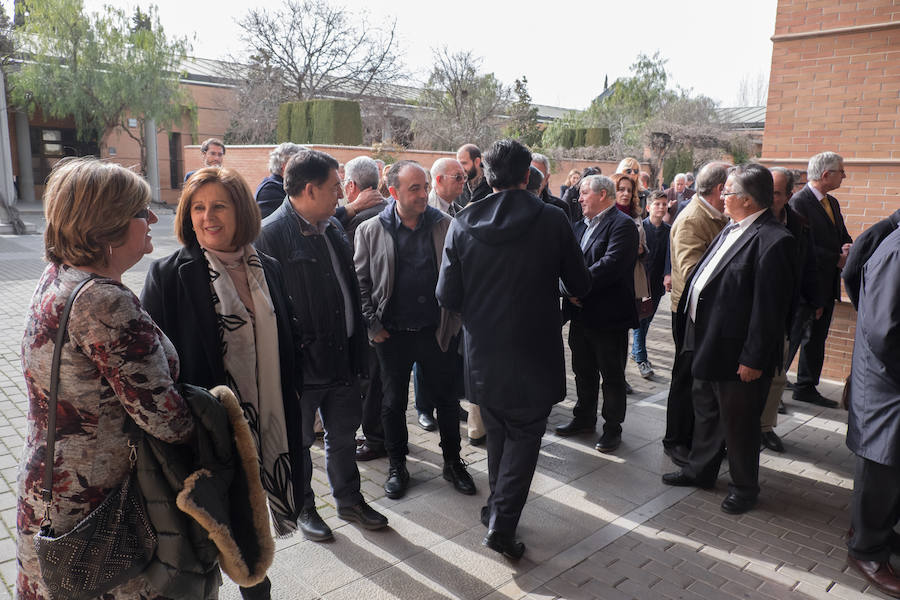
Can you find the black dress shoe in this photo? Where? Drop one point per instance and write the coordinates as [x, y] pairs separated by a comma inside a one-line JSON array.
[[737, 505], [608, 442], [455, 472], [679, 454], [574, 427], [485, 516], [312, 526], [365, 515], [628, 389], [771, 441], [477, 441], [366, 452], [881, 575], [426, 422], [814, 397], [397, 481], [680, 479], [504, 543]]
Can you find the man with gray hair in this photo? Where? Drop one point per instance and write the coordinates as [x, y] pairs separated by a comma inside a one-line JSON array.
[[447, 181], [691, 235], [361, 179], [814, 202], [542, 164], [678, 194], [270, 191]]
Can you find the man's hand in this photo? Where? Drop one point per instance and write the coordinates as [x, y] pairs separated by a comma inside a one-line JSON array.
[[845, 252], [747, 374], [381, 336], [575, 301], [366, 199], [667, 282]]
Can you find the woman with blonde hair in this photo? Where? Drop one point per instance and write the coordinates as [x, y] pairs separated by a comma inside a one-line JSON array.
[[631, 167], [571, 181], [115, 366]]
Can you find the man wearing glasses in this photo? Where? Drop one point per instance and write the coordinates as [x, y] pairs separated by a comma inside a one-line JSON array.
[[447, 179], [814, 202]]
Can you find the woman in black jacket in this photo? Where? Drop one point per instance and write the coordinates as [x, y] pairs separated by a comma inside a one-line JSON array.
[[223, 306]]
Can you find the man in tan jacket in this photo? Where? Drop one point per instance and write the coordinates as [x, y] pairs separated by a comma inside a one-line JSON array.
[[692, 232]]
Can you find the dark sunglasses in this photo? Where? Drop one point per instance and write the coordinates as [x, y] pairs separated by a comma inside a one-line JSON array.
[[144, 213]]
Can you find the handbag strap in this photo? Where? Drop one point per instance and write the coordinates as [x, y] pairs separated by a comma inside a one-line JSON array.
[[47, 491]]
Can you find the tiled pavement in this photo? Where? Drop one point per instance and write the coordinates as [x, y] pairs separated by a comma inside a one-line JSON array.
[[596, 526]]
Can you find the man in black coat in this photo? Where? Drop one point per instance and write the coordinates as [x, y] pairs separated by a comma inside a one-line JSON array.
[[542, 164], [873, 426], [476, 188], [733, 315], [863, 248], [318, 268], [513, 249], [270, 191], [598, 333], [832, 245]]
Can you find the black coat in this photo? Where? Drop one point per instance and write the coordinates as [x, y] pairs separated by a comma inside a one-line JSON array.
[[610, 257], [873, 426], [657, 253], [806, 285], [483, 190], [862, 250], [177, 295], [742, 309], [570, 199], [270, 194], [316, 298], [549, 198], [503, 259], [828, 238]]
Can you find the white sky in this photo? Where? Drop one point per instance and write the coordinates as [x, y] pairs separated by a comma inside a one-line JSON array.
[[564, 48]]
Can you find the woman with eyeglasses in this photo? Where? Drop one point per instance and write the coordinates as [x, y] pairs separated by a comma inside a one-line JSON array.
[[631, 167], [116, 365]]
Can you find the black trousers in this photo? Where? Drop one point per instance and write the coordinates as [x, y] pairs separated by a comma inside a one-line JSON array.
[[680, 406], [594, 354], [340, 407], [396, 355], [874, 510], [810, 334], [513, 444], [726, 414], [372, 427]]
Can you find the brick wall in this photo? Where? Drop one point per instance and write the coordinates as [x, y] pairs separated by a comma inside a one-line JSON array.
[[835, 85]]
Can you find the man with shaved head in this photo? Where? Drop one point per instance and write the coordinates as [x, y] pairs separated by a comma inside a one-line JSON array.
[[469, 156], [448, 178]]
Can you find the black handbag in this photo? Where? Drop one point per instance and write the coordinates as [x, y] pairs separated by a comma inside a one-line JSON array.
[[111, 545]]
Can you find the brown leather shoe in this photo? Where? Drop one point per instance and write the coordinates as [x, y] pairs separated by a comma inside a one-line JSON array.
[[881, 575]]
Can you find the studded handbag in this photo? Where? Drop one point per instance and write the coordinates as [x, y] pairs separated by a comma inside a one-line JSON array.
[[112, 544]]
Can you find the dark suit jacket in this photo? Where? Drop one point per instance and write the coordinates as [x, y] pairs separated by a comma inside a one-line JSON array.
[[873, 426], [610, 257], [270, 194], [686, 195], [806, 288], [177, 295], [862, 250], [503, 258], [742, 309], [828, 238]]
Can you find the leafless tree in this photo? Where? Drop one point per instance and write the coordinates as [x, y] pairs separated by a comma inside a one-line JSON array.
[[753, 90]]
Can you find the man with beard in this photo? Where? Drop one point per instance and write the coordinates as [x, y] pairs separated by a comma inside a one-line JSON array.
[[476, 188]]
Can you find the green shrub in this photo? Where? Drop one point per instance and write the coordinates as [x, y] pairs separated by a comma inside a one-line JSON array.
[[596, 136], [283, 129]]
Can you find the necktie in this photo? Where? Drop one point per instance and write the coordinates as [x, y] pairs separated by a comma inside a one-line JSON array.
[[826, 204]]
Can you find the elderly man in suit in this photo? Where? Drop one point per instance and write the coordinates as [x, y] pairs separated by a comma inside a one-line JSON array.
[[512, 248], [873, 427], [678, 196], [814, 202], [598, 334], [733, 316]]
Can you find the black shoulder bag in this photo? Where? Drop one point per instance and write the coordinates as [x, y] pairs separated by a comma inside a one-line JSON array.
[[111, 545]]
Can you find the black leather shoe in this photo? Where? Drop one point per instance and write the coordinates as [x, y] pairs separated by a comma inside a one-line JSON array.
[[880, 575], [485, 516], [312, 526], [574, 427], [504, 543], [477, 441], [397, 481], [456, 474], [736, 505], [679, 454], [814, 397], [628, 389], [426, 422], [771, 441], [366, 452], [679, 479], [608, 442], [365, 515]]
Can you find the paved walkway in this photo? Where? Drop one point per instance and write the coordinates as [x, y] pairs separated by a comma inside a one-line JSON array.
[[596, 526]]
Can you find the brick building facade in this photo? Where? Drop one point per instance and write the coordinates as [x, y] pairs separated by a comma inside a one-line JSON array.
[[835, 85]]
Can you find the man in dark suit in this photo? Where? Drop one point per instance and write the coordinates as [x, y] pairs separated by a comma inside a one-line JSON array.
[[598, 334], [513, 249], [873, 433], [476, 188], [733, 316], [832, 245], [542, 164], [270, 191], [678, 196]]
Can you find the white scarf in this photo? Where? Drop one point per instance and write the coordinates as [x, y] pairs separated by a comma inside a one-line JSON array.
[[249, 346]]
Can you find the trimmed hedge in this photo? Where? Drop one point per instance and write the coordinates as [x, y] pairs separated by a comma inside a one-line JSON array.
[[596, 136], [283, 129], [320, 122]]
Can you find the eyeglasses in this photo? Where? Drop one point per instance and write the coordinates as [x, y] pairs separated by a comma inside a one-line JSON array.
[[723, 194], [631, 171], [144, 213], [457, 178], [841, 171]]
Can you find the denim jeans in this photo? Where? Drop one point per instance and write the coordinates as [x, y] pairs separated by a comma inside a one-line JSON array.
[[639, 337]]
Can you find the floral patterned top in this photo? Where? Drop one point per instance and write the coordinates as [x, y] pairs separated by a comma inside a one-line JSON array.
[[115, 361]]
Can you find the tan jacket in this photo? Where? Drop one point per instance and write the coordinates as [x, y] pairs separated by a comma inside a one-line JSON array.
[[692, 233]]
